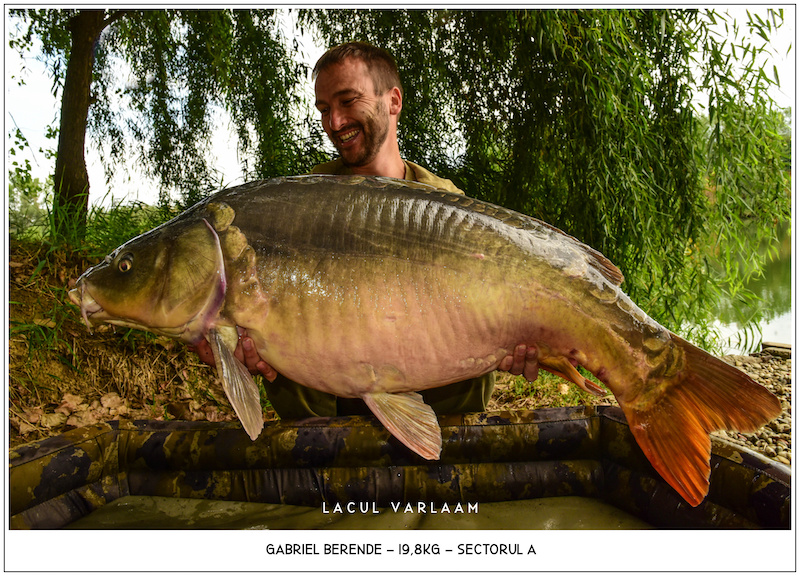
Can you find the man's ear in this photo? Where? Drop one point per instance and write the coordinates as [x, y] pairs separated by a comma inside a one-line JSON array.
[[396, 101]]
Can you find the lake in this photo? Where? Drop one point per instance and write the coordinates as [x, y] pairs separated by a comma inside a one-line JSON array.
[[775, 290]]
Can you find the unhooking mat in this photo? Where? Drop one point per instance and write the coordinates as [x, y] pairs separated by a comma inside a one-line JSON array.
[[322, 468]]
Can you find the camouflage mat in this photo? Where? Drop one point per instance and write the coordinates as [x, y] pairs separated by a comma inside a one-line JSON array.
[[564, 513], [581, 452]]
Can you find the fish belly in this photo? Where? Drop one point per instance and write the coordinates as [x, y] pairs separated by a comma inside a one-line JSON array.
[[383, 325]]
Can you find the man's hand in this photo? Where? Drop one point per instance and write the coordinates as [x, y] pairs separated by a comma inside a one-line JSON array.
[[524, 360], [245, 352]]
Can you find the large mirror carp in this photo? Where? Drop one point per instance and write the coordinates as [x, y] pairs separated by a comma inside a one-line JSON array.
[[377, 288]]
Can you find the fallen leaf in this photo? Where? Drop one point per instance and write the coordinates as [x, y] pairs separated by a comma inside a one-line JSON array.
[[121, 410], [25, 428], [111, 400], [33, 415], [53, 420], [69, 403], [84, 417]]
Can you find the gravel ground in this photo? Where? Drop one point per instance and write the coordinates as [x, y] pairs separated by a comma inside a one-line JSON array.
[[771, 368]]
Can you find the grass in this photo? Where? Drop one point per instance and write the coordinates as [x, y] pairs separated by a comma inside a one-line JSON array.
[[52, 356], [60, 375], [548, 391]]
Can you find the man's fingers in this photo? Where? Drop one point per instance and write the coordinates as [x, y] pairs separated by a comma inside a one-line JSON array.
[[250, 355], [266, 371], [505, 363], [524, 360], [245, 352], [531, 371], [254, 362], [518, 361], [203, 351]]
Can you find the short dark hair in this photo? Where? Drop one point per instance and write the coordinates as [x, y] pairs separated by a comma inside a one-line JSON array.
[[381, 65]]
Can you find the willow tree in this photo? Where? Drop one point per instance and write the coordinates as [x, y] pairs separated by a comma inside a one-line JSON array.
[[146, 84], [589, 120]]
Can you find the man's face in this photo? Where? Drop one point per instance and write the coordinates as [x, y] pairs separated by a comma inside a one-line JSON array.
[[353, 116]]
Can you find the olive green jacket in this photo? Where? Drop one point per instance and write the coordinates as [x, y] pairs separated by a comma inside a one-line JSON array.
[[414, 173]]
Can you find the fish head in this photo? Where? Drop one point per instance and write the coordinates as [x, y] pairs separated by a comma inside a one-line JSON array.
[[169, 281]]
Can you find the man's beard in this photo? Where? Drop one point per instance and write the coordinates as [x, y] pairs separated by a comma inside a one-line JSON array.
[[375, 130]]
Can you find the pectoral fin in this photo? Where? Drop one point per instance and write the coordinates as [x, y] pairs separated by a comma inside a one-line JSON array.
[[410, 420], [238, 384]]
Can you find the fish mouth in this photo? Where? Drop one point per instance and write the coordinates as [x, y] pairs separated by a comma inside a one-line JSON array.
[[88, 305]]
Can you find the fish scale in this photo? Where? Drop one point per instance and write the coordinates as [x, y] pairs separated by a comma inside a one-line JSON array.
[[358, 320], [379, 288]]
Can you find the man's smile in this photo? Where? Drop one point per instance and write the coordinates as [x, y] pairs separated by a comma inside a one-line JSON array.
[[347, 135]]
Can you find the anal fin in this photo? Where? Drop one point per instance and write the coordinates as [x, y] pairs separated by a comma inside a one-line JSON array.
[[410, 420], [239, 386]]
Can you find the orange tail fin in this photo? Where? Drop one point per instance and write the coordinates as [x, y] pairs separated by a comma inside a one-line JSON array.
[[706, 395]]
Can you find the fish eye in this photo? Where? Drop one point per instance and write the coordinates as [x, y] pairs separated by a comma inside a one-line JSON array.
[[126, 263]]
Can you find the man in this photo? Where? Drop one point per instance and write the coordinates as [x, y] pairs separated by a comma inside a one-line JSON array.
[[360, 97]]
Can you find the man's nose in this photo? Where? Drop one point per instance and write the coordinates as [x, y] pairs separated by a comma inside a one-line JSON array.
[[336, 119]]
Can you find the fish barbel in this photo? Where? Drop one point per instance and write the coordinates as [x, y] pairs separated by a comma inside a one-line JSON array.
[[391, 287]]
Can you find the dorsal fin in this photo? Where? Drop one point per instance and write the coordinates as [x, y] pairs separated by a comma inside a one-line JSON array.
[[596, 258], [605, 266], [522, 221]]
